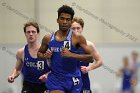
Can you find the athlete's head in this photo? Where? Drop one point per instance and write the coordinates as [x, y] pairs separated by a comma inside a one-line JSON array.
[[31, 30], [125, 61], [134, 56], [65, 16], [77, 24]]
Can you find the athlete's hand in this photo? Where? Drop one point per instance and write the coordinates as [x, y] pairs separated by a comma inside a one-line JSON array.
[[85, 69], [43, 78], [133, 82], [48, 54], [65, 52], [11, 79]]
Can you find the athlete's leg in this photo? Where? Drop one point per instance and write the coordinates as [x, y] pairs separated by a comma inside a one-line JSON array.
[[57, 91]]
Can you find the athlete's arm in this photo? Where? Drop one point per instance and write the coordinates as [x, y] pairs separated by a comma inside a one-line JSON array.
[[119, 73], [133, 79], [79, 40], [88, 56], [44, 77], [97, 58], [18, 66], [43, 53]]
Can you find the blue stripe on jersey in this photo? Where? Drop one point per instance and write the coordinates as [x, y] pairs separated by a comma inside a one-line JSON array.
[[33, 68], [63, 66]]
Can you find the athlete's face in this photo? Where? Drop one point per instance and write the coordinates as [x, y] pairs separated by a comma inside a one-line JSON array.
[[64, 21], [31, 34], [125, 62], [76, 27], [134, 57]]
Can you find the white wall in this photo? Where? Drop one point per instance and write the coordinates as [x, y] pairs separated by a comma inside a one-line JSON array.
[[105, 21], [7, 64], [13, 15]]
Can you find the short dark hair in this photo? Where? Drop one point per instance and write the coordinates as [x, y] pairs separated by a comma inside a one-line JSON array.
[[66, 9], [78, 20], [34, 24]]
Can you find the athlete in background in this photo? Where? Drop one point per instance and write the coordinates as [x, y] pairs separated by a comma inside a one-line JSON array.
[[77, 27], [32, 68], [127, 73], [136, 66]]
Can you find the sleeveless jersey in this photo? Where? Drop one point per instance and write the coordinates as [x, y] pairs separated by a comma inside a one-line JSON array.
[[33, 68], [63, 66], [127, 76]]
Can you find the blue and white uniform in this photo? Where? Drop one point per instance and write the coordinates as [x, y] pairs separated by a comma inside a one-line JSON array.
[[33, 68], [65, 72], [126, 83]]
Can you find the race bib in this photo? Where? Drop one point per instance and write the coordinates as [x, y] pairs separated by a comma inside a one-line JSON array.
[[40, 65], [67, 45]]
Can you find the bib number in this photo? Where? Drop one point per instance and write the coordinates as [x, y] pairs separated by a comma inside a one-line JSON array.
[[40, 65], [67, 45]]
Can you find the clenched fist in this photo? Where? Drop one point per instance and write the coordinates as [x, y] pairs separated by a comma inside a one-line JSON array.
[[65, 52], [11, 79], [84, 69]]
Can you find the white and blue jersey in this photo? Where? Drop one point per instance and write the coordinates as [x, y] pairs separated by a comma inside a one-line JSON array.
[[33, 68], [65, 72]]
